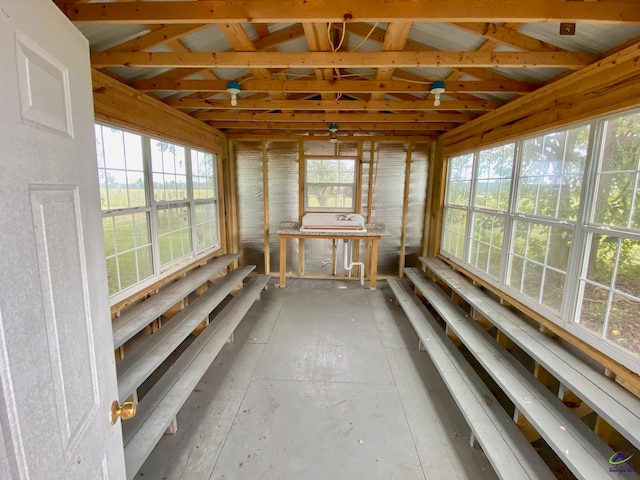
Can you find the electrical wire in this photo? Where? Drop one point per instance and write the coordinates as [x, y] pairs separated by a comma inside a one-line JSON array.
[[365, 38]]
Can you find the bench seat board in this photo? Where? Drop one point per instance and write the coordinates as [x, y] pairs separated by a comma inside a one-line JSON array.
[[506, 448], [136, 367], [619, 407], [139, 316], [162, 403], [577, 446]]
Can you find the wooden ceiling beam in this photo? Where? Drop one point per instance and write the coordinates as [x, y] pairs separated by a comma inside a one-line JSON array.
[[394, 40], [367, 117], [159, 36], [506, 36], [240, 41], [294, 11], [407, 126], [292, 137], [338, 86], [568, 60], [334, 105], [281, 36], [318, 41]]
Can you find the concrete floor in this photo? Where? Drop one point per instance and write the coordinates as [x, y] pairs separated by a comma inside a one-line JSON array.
[[323, 381]]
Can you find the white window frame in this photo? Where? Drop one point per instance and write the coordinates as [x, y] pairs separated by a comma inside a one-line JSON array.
[[353, 185], [159, 270], [581, 227]]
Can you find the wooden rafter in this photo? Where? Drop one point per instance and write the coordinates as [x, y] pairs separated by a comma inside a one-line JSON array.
[[507, 36], [240, 41], [334, 105], [367, 117], [568, 60], [297, 126], [394, 40], [293, 11], [344, 86], [159, 36]]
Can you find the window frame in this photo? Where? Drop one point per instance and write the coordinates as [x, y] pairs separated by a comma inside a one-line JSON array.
[[581, 226], [353, 184], [153, 206]]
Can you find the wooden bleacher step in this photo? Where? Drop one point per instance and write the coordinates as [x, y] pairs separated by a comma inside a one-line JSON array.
[[574, 442], [161, 404], [508, 451], [139, 316], [619, 407], [136, 367]]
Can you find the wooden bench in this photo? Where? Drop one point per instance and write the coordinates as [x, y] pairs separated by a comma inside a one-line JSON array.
[[160, 405], [506, 448], [613, 403], [586, 455], [134, 319], [136, 367]]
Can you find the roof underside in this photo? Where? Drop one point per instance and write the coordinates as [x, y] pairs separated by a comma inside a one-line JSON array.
[[298, 74]]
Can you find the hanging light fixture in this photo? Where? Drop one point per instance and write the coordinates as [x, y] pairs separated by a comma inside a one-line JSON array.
[[234, 89], [333, 128], [437, 88]]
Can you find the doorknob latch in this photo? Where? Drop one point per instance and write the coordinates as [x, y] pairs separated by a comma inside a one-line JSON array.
[[125, 411]]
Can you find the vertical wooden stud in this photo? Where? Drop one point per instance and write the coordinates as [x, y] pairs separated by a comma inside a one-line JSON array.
[[265, 205], [405, 210]]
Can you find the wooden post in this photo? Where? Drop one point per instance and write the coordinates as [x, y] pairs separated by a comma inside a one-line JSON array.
[[372, 164], [373, 269], [220, 197], [283, 261], [265, 206], [231, 204], [438, 171], [405, 210]]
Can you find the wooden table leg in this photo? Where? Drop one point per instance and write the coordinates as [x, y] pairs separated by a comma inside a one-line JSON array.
[[300, 257], [334, 254], [374, 265], [283, 261]]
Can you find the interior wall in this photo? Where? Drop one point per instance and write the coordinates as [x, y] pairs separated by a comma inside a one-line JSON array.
[[283, 197]]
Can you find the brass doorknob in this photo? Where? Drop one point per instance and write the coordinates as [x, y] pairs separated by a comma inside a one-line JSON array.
[[125, 411]]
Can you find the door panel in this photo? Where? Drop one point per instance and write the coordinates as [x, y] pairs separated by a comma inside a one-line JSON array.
[[57, 368]]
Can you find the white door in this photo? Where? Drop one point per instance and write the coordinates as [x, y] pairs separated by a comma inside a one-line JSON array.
[[57, 370]]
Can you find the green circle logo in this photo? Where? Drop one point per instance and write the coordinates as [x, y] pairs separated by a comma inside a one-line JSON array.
[[618, 458]]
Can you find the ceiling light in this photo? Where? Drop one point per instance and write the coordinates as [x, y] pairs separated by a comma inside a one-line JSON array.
[[234, 89], [334, 138], [437, 88], [333, 128]]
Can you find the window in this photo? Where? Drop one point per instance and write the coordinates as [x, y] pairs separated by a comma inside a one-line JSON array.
[[609, 288], [554, 220], [330, 184], [459, 175], [490, 203], [159, 205], [549, 189]]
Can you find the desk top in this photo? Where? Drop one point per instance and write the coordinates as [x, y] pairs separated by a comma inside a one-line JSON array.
[[293, 229]]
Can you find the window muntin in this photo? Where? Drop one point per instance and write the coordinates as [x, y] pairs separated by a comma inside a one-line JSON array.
[[330, 184], [152, 226], [459, 176], [538, 261], [486, 243], [617, 194], [493, 180], [120, 169], [551, 173], [454, 231]]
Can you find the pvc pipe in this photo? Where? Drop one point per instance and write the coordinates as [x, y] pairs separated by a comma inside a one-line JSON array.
[[349, 264]]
